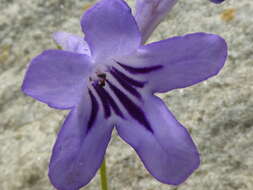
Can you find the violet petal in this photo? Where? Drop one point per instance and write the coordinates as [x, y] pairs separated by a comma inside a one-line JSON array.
[[71, 42], [110, 29], [149, 13], [168, 153], [217, 1], [79, 151], [186, 60], [57, 78]]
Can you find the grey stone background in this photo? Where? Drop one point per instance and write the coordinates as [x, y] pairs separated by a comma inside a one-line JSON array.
[[218, 113]]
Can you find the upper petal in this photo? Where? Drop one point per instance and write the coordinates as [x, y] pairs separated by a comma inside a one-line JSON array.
[[110, 29], [166, 150], [180, 61], [80, 146], [71, 42], [57, 78]]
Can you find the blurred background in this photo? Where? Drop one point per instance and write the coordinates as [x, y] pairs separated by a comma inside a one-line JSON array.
[[218, 112]]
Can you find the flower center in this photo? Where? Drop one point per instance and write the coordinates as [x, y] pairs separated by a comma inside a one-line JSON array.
[[113, 87], [99, 78]]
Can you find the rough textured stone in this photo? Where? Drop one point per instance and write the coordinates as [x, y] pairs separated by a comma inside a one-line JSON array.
[[218, 113]]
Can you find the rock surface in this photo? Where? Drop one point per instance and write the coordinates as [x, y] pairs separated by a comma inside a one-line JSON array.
[[218, 113]]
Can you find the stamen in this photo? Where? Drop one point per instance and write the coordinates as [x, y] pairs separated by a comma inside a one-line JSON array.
[[101, 82], [102, 75]]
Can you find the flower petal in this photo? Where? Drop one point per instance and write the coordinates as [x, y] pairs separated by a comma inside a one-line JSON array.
[[79, 149], [57, 78], [71, 42], [167, 151], [149, 13], [179, 62], [110, 29]]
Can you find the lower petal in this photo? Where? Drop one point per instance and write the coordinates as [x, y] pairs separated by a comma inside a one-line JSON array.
[[167, 151], [79, 151]]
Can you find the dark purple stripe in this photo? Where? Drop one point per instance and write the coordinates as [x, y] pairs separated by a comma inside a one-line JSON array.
[[140, 70], [125, 84], [94, 110], [103, 99], [112, 102], [128, 79], [131, 107]]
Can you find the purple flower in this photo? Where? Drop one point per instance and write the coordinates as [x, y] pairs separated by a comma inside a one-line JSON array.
[[110, 82], [149, 13], [217, 1]]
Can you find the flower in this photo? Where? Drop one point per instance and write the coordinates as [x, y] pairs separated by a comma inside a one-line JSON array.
[[149, 13], [217, 1], [108, 81]]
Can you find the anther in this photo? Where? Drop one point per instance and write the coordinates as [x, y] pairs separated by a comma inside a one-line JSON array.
[[102, 75], [101, 82]]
